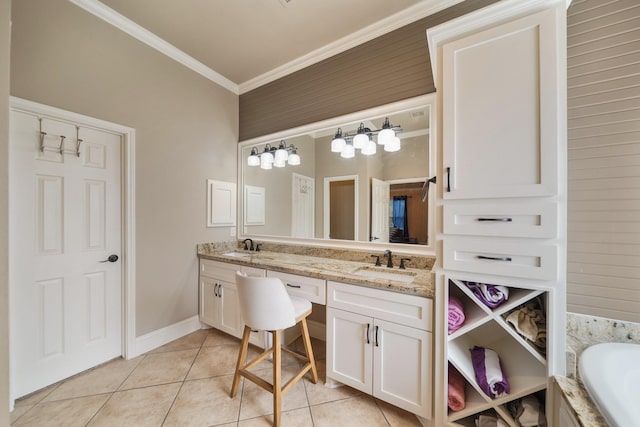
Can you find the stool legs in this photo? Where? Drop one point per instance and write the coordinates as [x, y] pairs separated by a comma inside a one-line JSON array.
[[242, 358], [308, 349], [277, 377]]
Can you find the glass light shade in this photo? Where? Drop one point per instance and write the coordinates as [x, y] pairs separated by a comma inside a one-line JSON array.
[[360, 140], [392, 146], [294, 159], [253, 161], [369, 149], [281, 155], [386, 136], [337, 145], [266, 160], [279, 163], [266, 165], [348, 151]]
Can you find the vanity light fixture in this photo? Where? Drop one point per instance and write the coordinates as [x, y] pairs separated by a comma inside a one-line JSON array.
[[272, 156], [362, 139]]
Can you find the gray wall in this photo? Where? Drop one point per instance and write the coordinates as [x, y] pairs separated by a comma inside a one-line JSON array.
[[186, 132], [603, 239], [5, 33]]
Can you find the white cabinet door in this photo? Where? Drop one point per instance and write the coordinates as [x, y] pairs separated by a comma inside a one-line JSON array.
[[501, 94], [230, 318], [402, 366], [208, 300], [349, 355]]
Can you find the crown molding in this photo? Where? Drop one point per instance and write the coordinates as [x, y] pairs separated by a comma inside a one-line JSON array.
[[493, 14], [136, 31], [393, 22]]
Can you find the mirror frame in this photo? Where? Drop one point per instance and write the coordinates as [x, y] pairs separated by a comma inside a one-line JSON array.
[[428, 100]]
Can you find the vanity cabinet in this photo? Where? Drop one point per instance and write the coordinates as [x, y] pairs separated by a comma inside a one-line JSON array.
[[500, 74], [219, 306], [379, 342], [523, 364]]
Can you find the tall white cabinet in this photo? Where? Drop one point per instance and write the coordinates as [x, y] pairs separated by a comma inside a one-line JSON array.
[[500, 74]]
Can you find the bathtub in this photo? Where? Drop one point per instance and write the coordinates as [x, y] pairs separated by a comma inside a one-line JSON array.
[[611, 374]]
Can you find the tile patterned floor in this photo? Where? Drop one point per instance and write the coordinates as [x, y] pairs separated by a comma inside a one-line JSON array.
[[187, 383]]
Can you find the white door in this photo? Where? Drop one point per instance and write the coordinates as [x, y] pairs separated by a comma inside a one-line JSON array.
[[402, 367], [302, 206], [65, 220], [349, 354], [230, 318], [380, 197]]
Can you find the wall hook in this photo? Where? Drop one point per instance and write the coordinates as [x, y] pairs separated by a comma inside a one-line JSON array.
[[61, 148], [78, 141]]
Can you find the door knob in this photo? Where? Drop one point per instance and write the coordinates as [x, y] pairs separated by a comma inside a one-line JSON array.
[[112, 258]]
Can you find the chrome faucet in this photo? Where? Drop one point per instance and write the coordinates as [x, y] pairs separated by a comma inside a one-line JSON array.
[[387, 254], [250, 248]]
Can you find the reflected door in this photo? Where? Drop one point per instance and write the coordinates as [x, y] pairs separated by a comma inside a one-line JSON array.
[[65, 221], [302, 206], [379, 210]]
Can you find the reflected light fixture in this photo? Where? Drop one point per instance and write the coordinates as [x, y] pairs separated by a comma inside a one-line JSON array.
[[362, 139], [272, 156]]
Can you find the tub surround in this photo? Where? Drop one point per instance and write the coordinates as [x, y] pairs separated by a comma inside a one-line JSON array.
[[584, 331], [327, 263]]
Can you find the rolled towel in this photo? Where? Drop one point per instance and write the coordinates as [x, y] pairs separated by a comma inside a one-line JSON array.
[[490, 295], [455, 390], [527, 321], [490, 421], [456, 314], [529, 413], [488, 372]]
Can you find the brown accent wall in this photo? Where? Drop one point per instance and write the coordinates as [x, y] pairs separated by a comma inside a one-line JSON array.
[[390, 68]]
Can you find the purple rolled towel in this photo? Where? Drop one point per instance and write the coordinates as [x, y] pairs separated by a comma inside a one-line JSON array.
[[490, 295], [456, 314], [488, 371]]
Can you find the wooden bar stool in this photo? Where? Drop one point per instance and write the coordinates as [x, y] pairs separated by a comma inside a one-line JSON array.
[[266, 306]]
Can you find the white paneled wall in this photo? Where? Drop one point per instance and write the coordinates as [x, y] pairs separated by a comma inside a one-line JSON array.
[[603, 40]]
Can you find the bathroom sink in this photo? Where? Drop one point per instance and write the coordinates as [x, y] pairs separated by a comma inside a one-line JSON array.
[[236, 254], [381, 273]]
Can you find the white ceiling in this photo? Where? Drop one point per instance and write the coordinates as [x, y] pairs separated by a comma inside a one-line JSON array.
[[251, 42]]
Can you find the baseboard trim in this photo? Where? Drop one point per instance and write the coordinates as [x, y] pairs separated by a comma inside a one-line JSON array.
[[160, 337]]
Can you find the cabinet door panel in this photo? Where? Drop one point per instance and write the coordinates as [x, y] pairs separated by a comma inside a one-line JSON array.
[[230, 317], [500, 103], [208, 301], [402, 367], [349, 355]]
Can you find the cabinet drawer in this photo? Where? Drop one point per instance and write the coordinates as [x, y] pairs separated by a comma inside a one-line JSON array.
[[395, 307], [501, 219], [501, 257], [309, 288], [226, 271]]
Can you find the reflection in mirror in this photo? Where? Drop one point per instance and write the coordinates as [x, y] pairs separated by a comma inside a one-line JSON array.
[[377, 197]]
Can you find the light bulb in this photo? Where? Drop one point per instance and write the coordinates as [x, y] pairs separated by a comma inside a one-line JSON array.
[[294, 159], [392, 146], [348, 151], [369, 149], [337, 145], [360, 140], [386, 136]]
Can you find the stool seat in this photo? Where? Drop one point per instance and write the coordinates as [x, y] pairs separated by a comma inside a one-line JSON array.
[[301, 306], [265, 305]]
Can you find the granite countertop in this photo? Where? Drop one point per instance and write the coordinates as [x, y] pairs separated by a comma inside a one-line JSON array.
[[584, 410], [328, 268]]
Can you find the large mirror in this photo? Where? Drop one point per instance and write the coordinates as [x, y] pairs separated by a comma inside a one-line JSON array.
[[376, 199]]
